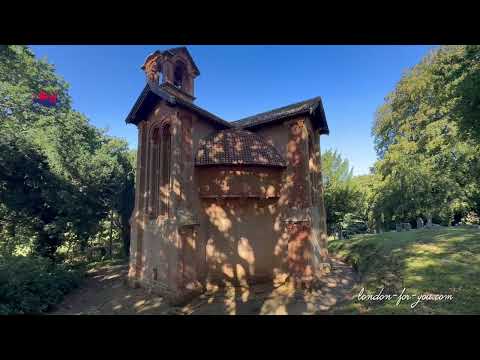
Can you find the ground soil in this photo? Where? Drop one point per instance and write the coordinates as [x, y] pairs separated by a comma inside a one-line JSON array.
[[105, 292]]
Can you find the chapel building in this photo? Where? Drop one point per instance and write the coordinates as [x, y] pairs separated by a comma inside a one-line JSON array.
[[223, 201]]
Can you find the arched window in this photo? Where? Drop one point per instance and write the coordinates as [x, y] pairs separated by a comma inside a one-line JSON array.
[[154, 72], [159, 172], [313, 172], [160, 74], [165, 172], [154, 164], [179, 75]]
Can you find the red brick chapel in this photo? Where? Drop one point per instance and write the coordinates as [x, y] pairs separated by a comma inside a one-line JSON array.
[[223, 201]]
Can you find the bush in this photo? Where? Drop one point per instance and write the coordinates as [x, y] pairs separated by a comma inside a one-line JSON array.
[[472, 218], [352, 225], [31, 285]]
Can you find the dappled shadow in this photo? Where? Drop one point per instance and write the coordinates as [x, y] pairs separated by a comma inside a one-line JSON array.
[[280, 299], [105, 293], [254, 220], [237, 250]]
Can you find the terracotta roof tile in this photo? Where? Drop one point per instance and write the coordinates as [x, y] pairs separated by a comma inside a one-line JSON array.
[[237, 147]]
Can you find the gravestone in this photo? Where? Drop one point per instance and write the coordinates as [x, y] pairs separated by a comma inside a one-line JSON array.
[[419, 223], [406, 226], [429, 222]]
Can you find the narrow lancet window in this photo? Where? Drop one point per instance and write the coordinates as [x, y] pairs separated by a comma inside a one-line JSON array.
[[179, 75], [165, 171], [154, 173], [159, 172], [313, 169]]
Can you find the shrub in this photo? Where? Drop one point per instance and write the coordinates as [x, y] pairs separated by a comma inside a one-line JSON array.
[[471, 218], [31, 285]]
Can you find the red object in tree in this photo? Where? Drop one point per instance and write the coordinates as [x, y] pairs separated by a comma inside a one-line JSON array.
[[45, 99], [53, 99], [43, 96]]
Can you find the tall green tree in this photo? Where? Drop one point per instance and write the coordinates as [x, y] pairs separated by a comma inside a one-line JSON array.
[[425, 139], [341, 196], [67, 176]]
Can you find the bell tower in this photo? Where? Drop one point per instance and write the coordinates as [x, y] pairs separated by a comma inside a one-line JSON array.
[[165, 228], [173, 71]]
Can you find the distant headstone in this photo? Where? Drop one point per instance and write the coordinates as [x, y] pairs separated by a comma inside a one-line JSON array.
[[429, 222], [419, 223], [405, 227], [398, 227]]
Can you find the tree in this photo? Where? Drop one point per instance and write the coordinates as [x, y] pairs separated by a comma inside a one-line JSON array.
[[364, 186], [424, 136], [341, 197], [456, 72], [61, 177], [31, 195]]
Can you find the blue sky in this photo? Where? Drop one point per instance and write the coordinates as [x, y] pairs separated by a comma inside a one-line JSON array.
[[238, 81]]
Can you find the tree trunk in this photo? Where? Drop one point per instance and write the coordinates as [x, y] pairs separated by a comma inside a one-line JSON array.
[[110, 250]]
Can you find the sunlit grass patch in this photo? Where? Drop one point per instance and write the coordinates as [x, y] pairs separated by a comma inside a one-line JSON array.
[[424, 262]]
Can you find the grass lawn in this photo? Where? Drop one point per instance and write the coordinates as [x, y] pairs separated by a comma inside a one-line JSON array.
[[441, 261]]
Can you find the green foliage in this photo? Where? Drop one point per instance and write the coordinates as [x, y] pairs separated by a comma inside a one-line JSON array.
[[29, 193], [60, 177], [427, 137], [471, 218], [30, 285], [364, 185], [353, 224], [64, 185], [427, 141], [457, 69], [335, 169], [342, 196]]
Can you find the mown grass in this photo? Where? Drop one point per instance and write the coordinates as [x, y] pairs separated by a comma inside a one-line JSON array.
[[437, 261]]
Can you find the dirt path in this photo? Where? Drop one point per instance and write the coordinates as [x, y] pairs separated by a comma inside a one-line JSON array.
[[104, 292]]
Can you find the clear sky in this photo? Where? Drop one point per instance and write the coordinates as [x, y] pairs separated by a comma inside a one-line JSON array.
[[238, 81]]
